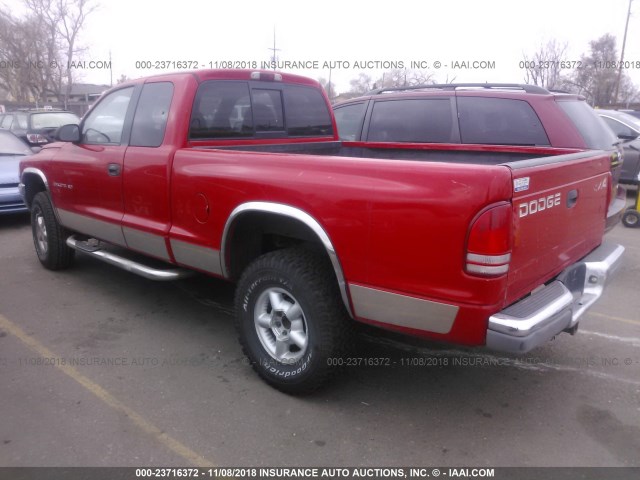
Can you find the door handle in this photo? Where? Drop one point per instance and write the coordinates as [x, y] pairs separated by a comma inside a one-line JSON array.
[[113, 169], [572, 198]]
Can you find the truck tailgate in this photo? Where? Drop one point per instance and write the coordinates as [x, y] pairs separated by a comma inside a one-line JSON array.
[[559, 212]]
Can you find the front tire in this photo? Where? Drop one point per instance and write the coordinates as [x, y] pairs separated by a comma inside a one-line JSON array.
[[290, 319], [49, 237]]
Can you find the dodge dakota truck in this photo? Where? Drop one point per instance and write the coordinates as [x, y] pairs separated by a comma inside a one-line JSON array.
[[241, 175]]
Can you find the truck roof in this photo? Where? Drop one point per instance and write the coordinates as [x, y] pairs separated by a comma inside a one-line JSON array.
[[229, 74]]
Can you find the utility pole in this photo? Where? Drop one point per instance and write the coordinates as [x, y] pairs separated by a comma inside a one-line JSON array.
[[274, 58], [624, 43]]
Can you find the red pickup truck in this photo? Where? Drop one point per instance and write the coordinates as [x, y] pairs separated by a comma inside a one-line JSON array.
[[241, 175]]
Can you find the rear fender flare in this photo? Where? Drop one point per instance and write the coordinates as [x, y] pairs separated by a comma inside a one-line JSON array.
[[296, 214]]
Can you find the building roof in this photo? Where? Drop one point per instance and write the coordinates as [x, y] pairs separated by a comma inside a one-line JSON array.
[[87, 88]]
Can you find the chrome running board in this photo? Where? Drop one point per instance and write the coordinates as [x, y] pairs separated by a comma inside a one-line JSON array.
[[97, 251]]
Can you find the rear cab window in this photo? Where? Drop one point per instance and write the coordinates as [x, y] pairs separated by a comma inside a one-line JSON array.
[[266, 106], [225, 109], [306, 112]]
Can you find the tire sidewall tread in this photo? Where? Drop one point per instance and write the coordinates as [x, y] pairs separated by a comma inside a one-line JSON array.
[[308, 276], [631, 213], [59, 256]]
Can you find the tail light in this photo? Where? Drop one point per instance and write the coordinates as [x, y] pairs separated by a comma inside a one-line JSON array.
[[489, 242], [36, 138]]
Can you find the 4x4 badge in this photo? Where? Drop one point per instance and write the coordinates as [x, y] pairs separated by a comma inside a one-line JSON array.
[[521, 184]]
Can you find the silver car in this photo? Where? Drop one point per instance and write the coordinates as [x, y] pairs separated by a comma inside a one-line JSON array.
[[12, 150], [627, 129]]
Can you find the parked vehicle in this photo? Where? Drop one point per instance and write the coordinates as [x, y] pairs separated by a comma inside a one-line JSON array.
[[635, 113], [36, 127], [476, 245], [470, 117], [631, 217], [627, 128], [12, 150]]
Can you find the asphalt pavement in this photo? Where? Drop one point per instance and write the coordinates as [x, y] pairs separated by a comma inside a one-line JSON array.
[[99, 367]]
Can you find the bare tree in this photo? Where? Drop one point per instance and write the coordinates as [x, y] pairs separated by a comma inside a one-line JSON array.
[[72, 15], [328, 86], [24, 73], [123, 78], [596, 78], [628, 93], [61, 21], [390, 79], [361, 84], [405, 77], [422, 77], [545, 66]]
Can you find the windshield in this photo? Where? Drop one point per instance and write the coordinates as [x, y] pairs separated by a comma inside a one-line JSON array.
[[52, 119], [12, 145]]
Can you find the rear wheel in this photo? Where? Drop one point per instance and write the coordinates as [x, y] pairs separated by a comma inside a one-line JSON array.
[[290, 318], [631, 219], [49, 237]]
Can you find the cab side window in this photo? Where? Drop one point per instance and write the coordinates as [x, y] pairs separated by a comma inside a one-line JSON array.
[[150, 120], [105, 122]]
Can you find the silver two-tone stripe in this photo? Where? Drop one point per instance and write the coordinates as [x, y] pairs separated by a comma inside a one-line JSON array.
[[402, 310]]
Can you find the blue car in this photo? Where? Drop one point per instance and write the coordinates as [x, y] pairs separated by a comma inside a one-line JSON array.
[[12, 150]]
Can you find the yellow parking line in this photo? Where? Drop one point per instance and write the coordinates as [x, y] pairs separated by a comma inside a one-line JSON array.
[[610, 317], [148, 427]]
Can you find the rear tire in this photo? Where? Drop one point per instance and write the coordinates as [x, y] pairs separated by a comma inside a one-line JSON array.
[[631, 219], [49, 237], [290, 318]]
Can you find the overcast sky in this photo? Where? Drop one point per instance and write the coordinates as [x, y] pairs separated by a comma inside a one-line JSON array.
[[496, 31]]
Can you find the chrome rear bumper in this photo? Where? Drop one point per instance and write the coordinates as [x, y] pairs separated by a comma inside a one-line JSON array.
[[558, 306]]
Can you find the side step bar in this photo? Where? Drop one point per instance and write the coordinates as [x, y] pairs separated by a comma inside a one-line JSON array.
[[132, 266]]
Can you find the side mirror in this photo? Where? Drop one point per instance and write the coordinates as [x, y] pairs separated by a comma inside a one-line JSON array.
[[627, 138], [36, 149], [68, 133]]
